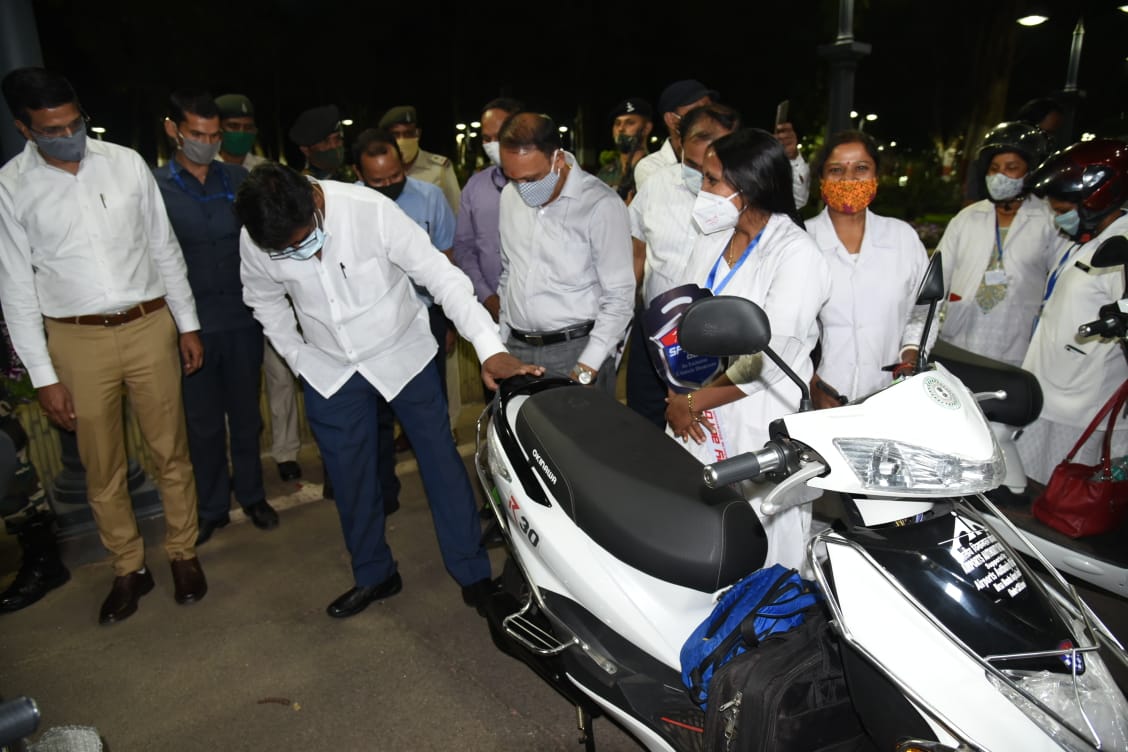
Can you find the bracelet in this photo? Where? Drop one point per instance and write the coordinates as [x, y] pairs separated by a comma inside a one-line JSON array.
[[689, 401]]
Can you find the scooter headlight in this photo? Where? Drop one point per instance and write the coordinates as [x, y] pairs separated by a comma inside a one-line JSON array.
[[884, 465]]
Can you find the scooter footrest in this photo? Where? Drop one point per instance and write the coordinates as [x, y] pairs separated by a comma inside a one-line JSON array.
[[534, 632]]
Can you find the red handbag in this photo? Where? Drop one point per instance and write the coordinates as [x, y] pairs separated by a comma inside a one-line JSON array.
[[1081, 499]]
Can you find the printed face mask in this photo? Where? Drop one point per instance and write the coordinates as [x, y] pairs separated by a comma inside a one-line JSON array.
[[849, 196], [536, 193], [493, 151], [1003, 187], [1069, 223], [714, 213]]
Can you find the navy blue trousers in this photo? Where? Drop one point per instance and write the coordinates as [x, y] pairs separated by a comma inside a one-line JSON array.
[[346, 427], [221, 400], [646, 390]]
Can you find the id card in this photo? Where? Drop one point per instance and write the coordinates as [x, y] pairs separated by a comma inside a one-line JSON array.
[[995, 277]]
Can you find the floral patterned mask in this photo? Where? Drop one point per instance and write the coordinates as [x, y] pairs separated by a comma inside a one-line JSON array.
[[849, 196]]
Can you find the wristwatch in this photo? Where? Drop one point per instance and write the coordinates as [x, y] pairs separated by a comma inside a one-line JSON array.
[[584, 375]]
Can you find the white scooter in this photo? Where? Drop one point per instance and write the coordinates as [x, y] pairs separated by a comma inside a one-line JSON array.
[[1015, 400], [619, 546]]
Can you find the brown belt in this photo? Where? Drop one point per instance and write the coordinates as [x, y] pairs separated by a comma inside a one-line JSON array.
[[113, 319]]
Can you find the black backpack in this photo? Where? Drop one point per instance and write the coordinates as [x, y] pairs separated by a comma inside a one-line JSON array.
[[787, 694]]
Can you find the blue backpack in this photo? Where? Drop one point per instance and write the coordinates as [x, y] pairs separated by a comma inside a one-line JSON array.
[[766, 602]]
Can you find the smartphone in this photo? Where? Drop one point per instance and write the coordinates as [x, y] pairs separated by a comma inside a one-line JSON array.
[[782, 111]]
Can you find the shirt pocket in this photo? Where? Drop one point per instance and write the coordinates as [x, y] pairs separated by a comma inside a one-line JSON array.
[[569, 267], [122, 223]]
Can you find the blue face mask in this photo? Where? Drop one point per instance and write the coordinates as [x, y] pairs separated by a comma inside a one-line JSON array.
[[305, 249], [1069, 223], [692, 178], [536, 193]]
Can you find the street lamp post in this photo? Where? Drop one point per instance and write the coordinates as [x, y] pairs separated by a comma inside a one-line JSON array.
[[843, 55], [1070, 94]]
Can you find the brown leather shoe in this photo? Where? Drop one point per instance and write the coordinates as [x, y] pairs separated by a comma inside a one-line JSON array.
[[122, 600], [189, 580]]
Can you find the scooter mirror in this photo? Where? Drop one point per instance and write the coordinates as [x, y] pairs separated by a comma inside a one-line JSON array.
[[724, 326], [932, 285], [1112, 252]]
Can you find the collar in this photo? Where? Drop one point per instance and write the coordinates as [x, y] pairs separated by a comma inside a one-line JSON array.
[[573, 184]]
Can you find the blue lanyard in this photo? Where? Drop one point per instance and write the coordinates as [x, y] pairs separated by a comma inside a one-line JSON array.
[[1057, 272], [998, 240], [737, 265], [228, 194]]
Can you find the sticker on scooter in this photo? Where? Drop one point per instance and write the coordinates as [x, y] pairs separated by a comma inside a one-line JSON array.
[[986, 563], [1073, 660], [940, 393], [522, 522], [544, 468]]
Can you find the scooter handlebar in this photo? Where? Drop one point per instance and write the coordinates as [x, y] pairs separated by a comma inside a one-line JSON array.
[[744, 466], [18, 718]]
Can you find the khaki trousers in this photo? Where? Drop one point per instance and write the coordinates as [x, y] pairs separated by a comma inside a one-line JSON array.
[[94, 363]]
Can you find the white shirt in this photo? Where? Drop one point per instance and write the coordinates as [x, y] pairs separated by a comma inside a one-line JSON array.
[[800, 181], [662, 217], [652, 163], [568, 262], [968, 246], [98, 241], [1078, 374], [356, 306], [871, 315]]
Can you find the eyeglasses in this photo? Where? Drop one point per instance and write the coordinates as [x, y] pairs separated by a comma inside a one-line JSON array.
[[59, 131], [310, 240]]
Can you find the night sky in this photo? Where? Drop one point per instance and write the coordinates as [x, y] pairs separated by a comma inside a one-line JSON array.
[[573, 60]]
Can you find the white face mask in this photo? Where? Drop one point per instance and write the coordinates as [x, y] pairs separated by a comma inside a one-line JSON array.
[[714, 213], [1003, 187], [493, 151]]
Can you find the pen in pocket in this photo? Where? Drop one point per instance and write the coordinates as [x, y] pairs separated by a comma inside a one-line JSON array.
[[1075, 349]]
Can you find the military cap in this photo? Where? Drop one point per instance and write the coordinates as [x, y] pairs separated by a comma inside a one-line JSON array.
[[234, 105], [632, 106], [396, 115], [315, 125], [681, 93]]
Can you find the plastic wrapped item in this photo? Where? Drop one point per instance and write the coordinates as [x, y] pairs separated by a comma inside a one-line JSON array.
[[1091, 703], [68, 739]]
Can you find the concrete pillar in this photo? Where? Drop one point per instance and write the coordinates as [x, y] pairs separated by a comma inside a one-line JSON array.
[[19, 47]]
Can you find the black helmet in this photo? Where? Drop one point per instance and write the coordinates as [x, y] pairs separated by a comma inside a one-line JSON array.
[[1092, 174], [1024, 139]]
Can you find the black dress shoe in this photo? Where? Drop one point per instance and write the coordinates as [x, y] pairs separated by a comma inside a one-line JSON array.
[[478, 594], [289, 470], [207, 527], [121, 603], [262, 515], [357, 599], [189, 580]]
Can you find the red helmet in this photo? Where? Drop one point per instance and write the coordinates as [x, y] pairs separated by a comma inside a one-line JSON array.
[[1092, 174]]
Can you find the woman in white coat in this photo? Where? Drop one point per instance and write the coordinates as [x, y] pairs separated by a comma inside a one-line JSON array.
[[997, 252], [876, 265], [1086, 184], [753, 245]]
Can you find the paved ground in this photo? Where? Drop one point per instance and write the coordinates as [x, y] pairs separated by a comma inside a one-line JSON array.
[[257, 665]]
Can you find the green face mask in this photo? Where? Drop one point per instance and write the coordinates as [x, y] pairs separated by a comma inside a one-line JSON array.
[[238, 143]]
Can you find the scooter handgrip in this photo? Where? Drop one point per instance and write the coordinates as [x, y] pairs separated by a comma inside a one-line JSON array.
[[740, 467], [18, 718], [1107, 327]]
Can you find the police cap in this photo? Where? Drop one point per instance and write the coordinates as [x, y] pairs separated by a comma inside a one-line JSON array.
[[315, 125]]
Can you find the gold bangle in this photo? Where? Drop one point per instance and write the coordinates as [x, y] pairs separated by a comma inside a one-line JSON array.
[[689, 401]]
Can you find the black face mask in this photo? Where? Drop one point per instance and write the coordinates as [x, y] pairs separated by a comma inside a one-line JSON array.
[[392, 190], [626, 143]]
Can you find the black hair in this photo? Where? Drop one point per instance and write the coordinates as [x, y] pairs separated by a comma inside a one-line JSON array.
[[754, 163], [846, 137], [184, 102], [273, 203], [1036, 110], [524, 130], [725, 116], [374, 142], [34, 88], [507, 104]]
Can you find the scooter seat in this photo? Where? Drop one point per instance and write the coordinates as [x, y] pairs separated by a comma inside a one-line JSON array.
[[636, 493], [981, 374]]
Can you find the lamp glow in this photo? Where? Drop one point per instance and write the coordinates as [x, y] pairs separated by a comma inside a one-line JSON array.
[[1033, 20]]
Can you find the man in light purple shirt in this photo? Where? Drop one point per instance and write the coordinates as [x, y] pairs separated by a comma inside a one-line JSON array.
[[477, 242]]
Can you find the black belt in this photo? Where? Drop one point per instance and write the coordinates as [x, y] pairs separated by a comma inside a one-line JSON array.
[[539, 339]]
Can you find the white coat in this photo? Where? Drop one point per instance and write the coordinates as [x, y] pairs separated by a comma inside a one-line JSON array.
[[871, 315], [967, 248], [786, 276]]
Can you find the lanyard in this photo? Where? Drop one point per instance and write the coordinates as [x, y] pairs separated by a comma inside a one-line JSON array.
[[228, 194], [732, 271], [998, 240], [1057, 272]]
